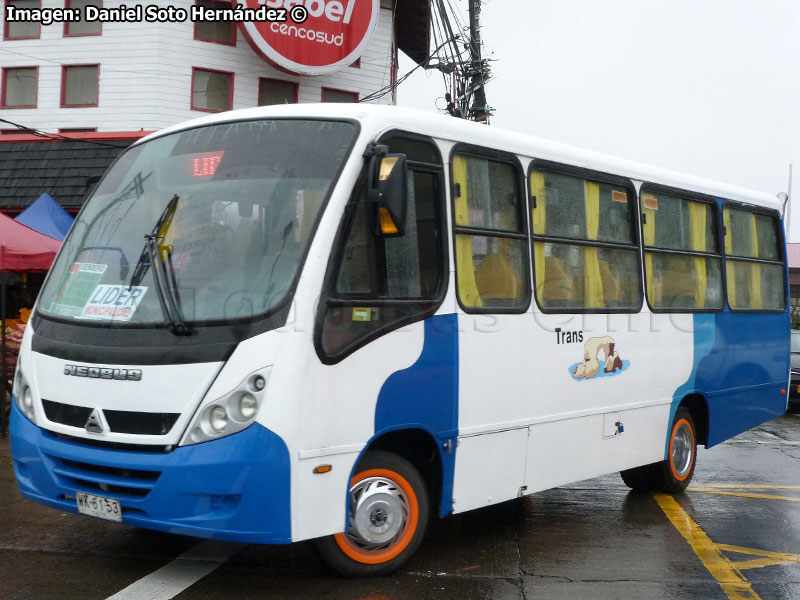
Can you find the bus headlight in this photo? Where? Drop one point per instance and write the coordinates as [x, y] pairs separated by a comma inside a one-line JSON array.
[[248, 405], [231, 413], [218, 419]]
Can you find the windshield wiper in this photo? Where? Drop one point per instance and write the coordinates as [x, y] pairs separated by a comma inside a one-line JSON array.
[[164, 278]]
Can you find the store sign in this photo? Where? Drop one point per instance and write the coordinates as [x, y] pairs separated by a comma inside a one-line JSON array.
[[332, 34]]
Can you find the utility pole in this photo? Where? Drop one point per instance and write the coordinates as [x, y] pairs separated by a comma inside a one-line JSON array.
[[479, 110]]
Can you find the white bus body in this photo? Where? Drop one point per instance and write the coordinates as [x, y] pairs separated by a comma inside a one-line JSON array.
[[486, 399]]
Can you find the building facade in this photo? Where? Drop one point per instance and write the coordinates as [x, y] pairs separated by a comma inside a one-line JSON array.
[[108, 82]]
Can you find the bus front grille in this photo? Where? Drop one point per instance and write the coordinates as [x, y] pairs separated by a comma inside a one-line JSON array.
[[119, 421], [66, 414], [99, 479]]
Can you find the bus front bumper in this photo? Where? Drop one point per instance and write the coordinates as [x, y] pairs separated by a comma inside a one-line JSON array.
[[236, 488]]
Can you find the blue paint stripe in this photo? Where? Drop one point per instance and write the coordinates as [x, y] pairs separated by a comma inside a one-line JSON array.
[[425, 396]]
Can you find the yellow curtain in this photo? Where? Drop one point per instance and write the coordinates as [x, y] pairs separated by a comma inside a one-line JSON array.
[[649, 233], [755, 272], [465, 265], [730, 270], [593, 282], [697, 222], [539, 228]]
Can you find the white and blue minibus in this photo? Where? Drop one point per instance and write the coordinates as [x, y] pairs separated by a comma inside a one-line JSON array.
[[335, 322]]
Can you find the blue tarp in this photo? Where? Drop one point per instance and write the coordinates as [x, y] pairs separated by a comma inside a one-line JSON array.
[[46, 216]]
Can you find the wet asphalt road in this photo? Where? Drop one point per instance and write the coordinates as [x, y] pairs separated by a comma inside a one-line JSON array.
[[735, 534]]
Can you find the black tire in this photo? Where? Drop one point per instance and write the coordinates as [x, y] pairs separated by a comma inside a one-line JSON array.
[[396, 489], [639, 479], [673, 474]]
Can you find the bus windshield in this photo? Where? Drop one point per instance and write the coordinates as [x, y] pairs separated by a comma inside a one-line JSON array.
[[229, 210]]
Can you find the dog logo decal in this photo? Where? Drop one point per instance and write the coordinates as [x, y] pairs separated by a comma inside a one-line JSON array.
[[593, 366]]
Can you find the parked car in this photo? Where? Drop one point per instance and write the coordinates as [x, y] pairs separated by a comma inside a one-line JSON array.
[[794, 388]]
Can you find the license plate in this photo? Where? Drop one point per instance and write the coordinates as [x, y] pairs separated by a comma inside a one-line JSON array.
[[99, 506]]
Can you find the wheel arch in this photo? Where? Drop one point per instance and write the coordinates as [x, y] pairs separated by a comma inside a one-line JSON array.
[[419, 447], [697, 405]]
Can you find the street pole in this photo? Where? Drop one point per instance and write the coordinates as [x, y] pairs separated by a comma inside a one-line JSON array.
[[479, 109]]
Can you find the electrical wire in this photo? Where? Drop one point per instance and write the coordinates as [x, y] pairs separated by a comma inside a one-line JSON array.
[[58, 137], [393, 86]]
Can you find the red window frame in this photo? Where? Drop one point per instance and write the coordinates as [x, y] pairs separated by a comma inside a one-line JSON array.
[[64, 86], [234, 28], [294, 84], [330, 89], [67, 23], [5, 25], [5, 87], [230, 90]]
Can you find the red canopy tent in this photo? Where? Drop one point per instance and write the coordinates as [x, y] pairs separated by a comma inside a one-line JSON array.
[[21, 249]]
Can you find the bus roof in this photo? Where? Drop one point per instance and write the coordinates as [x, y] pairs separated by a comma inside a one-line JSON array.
[[376, 119]]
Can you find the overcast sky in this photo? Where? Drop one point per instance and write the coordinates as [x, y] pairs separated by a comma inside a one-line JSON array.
[[706, 87]]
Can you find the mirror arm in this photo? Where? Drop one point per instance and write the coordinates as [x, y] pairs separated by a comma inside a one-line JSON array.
[[374, 149]]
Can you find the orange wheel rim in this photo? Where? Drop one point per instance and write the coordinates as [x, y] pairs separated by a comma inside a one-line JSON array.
[[681, 450], [391, 497]]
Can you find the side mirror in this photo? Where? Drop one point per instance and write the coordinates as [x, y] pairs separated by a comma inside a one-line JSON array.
[[388, 191]]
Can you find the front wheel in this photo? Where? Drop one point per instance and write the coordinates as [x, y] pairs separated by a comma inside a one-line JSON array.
[[387, 520], [674, 474]]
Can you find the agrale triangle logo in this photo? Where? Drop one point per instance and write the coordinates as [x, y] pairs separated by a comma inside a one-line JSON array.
[[334, 34]]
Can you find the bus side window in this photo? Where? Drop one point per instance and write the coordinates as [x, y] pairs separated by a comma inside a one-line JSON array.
[[490, 238], [682, 257], [377, 284], [753, 261], [584, 243]]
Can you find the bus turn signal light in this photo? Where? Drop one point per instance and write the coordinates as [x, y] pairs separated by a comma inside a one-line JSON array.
[[387, 164], [387, 224], [323, 469]]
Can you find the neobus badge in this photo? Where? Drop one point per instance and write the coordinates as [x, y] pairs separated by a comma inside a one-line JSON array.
[[103, 373]]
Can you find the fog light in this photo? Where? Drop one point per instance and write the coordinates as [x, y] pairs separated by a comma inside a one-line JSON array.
[[218, 419], [27, 403], [27, 400], [248, 406]]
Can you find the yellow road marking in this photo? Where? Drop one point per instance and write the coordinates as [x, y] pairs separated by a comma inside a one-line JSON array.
[[745, 495], [757, 563], [771, 558], [730, 579], [743, 487]]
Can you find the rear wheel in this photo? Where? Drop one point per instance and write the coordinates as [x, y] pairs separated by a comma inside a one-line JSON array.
[[673, 474], [388, 516]]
